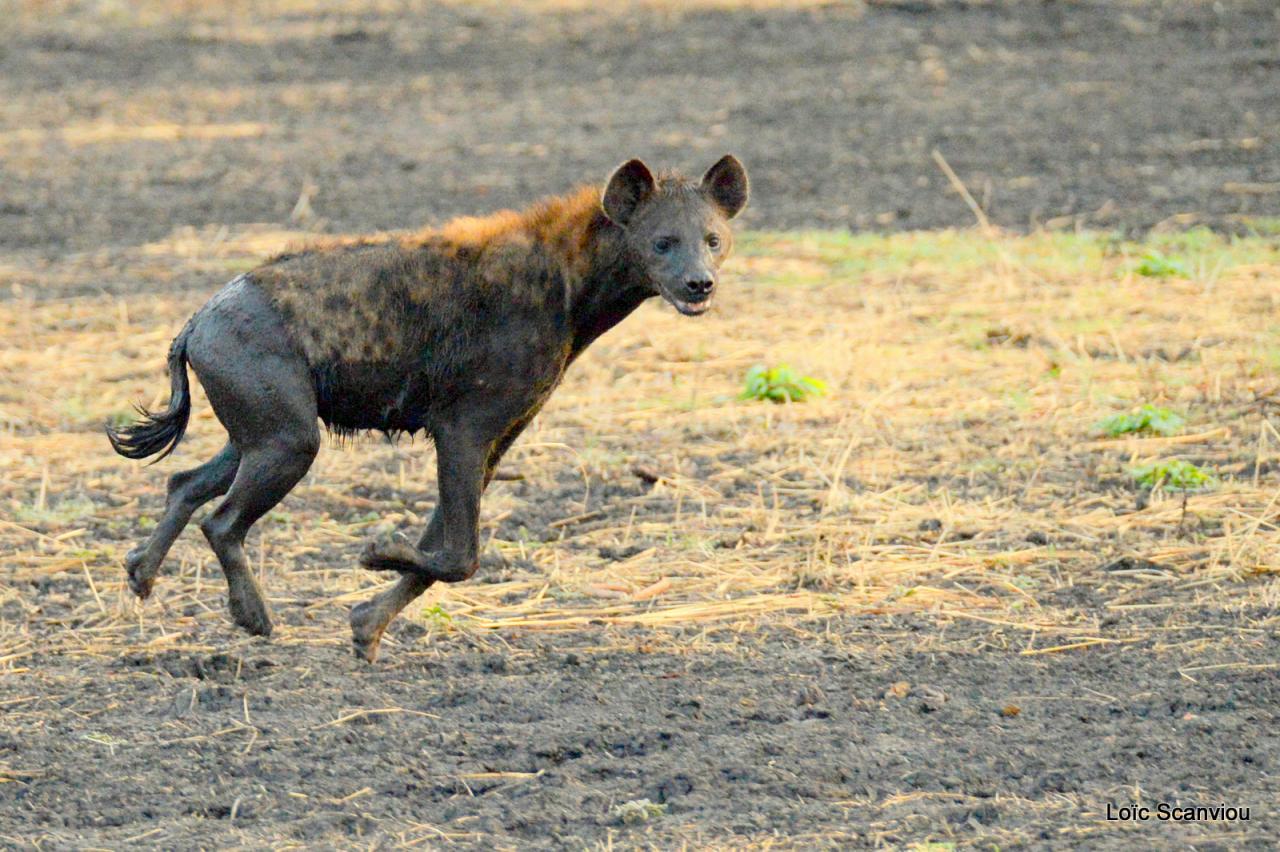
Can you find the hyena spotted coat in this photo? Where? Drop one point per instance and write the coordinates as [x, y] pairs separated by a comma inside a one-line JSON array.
[[461, 332]]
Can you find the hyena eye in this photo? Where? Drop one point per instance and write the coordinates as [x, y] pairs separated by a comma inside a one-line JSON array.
[[713, 241], [662, 245]]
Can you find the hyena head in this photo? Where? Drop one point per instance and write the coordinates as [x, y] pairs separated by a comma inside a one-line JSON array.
[[678, 230]]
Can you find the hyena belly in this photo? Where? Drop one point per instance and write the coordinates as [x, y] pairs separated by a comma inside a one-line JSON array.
[[382, 396]]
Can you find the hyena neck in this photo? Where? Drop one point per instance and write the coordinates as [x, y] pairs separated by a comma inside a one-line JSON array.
[[594, 283], [607, 285]]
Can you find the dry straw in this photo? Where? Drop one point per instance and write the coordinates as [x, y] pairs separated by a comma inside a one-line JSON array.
[[950, 470]]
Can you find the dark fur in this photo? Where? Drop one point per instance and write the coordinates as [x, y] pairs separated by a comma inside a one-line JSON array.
[[462, 333]]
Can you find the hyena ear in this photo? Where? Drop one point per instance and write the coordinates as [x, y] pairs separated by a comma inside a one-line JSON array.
[[726, 185], [629, 185]]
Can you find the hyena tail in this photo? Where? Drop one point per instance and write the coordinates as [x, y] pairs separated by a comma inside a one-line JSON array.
[[160, 430]]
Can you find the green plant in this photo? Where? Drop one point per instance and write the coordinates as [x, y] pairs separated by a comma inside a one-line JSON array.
[[1172, 473], [1148, 418], [780, 384], [1156, 265], [437, 617], [638, 811], [104, 739]]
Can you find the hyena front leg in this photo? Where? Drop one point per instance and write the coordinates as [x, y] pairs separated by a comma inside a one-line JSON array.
[[369, 620], [461, 463]]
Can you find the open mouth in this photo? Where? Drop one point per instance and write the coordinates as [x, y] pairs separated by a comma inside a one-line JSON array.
[[692, 309]]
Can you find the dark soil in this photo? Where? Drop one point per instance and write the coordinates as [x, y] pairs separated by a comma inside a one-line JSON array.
[[1121, 114], [865, 732], [854, 732]]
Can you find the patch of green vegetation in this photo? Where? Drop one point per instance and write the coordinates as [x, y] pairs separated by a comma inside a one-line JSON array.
[[700, 544], [62, 512], [437, 617], [670, 403], [78, 410], [602, 462], [1191, 241], [1174, 474], [988, 465], [1018, 400], [822, 245], [236, 265], [1198, 253], [1027, 584], [780, 384], [1156, 265], [638, 811], [1268, 358], [107, 740], [1202, 253], [1264, 226], [1147, 419], [1053, 254]]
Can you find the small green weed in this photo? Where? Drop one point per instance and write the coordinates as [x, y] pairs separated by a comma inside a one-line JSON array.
[[1157, 265], [437, 617], [780, 384], [104, 739], [638, 811], [1148, 418], [1174, 474]]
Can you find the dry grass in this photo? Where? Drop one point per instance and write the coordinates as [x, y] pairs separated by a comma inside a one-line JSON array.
[[951, 468], [93, 134]]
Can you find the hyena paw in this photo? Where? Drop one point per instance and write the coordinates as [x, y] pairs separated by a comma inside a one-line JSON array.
[[250, 613], [366, 631], [142, 576], [393, 552]]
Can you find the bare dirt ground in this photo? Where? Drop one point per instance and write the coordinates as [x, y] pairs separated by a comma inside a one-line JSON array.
[[1120, 114], [930, 609]]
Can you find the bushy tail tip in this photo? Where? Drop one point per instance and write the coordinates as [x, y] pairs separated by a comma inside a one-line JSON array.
[[156, 432], [159, 431]]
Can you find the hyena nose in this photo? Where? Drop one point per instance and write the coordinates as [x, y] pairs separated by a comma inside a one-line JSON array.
[[699, 287]]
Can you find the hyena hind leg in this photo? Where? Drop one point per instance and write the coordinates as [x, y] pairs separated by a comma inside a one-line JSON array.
[[265, 477], [263, 393], [188, 491]]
